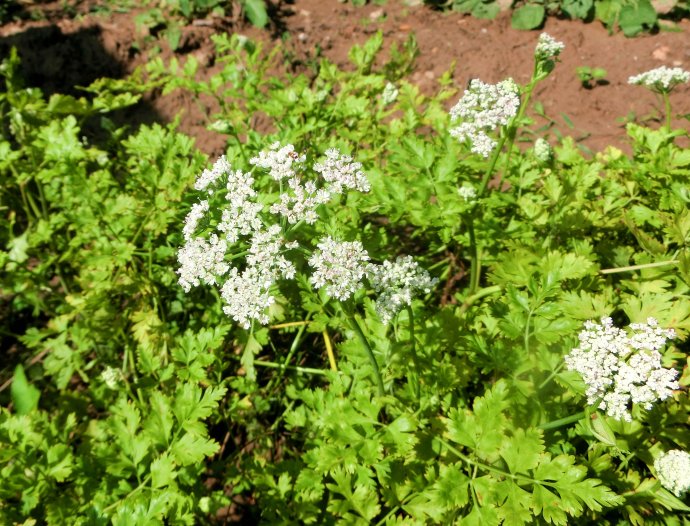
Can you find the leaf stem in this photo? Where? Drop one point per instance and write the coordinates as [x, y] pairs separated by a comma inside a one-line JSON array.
[[370, 353], [638, 267], [469, 301], [289, 324], [554, 424], [297, 368], [476, 262], [551, 376], [667, 107], [413, 345], [329, 350]]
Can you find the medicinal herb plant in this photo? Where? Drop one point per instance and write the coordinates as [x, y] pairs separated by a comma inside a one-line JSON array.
[[395, 309]]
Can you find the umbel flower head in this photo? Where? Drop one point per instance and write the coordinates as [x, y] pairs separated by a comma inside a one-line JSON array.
[[240, 222], [673, 471], [396, 283], [548, 47], [339, 266], [662, 79], [241, 247], [622, 368], [542, 150], [481, 109]]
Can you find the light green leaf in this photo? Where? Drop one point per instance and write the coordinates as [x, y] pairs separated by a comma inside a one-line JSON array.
[[256, 12], [24, 395], [192, 449], [522, 451], [162, 471]]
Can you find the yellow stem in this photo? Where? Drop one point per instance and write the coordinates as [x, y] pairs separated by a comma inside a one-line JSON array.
[[289, 324], [329, 350]]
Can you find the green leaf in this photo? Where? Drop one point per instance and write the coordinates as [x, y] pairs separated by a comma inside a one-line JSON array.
[[522, 451], [481, 431], [191, 406], [529, 16], [581, 9], [24, 395], [60, 462], [451, 489], [517, 503], [192, 449], [162, 471], [636, 17], [160, 421], [256, 12]]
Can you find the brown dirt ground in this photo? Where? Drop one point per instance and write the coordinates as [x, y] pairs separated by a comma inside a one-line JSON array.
[[60, 53]]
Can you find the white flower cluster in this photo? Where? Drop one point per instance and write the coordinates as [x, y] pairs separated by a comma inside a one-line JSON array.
[[202, 261], [279, 161], [301, 204], [341, 172], [247, 294], [209, 177], [661, 79], [620, 368], [548, 47], [481, 109], [111, 377], [673, 471], [195, 215], [542, 150], [389, 94], [247, 289], [339, 266], [396, 284], [468, 193]]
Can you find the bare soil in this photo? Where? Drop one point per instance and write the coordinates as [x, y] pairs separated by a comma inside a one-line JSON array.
[[60, 53]]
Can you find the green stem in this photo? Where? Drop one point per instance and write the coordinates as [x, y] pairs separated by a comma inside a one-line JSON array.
[[551, 376], [370, 353], [563, 421], [476, 262], [469, 301], [490, 169], [527, 332], [638, 267], [667, 107], [293, 348], [239, 144], [415, 361], [296, 368], [487, 467], [138, 488]]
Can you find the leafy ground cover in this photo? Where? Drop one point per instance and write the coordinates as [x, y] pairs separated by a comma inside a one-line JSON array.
[[378, 313]]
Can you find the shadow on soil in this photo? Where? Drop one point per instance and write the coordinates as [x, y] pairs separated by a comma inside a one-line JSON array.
[[59, 62]]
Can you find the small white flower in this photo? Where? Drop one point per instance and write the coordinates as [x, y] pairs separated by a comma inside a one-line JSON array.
[[195, 215], [339, 266], [396, 284], [389, 94], [279, 160], [468, 193], [542, 150], [622, 369], [247, 294], [301, 202], [548, 47], [481, 109], [673, 471], [341, 172], [202, 261], [662, 79], [209, 177], [111, 377]]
